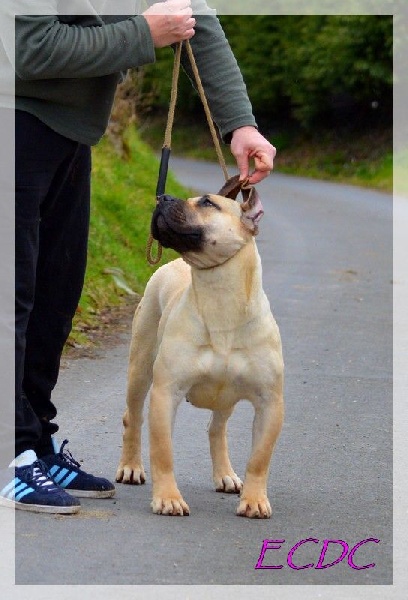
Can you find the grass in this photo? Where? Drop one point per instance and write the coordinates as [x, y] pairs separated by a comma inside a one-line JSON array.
[[123, 198], [365, 160]]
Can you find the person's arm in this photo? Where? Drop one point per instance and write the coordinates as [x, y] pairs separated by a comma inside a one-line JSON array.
[[227, 95], [220, 74], [46, 48]]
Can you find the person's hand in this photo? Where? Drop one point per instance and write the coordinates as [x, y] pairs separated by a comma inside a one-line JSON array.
[[248, 144], [170, 22]]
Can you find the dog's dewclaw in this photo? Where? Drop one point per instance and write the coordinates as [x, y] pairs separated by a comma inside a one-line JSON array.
[[175, 507], [132, 475], [230, 484], [257, 509]]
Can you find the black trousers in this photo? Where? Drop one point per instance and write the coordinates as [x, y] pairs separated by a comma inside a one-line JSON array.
[[51, 234]]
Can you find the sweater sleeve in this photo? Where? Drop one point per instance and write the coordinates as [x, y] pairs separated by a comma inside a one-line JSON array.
[[220, 74], [46, 48]]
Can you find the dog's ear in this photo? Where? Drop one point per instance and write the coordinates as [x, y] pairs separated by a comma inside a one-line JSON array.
[[231, 188], [252, 209]]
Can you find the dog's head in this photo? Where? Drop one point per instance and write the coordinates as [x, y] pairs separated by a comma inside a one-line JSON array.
[[209, 229]]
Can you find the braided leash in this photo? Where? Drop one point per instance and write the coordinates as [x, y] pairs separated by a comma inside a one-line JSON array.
[[207, 111], [166, 149]]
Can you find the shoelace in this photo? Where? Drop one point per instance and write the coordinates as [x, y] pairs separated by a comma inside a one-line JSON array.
[[36, 473], [67, 456]]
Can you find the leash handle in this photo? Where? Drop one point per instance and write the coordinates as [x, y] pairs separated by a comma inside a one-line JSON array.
[[166, 149], [165, 154], [163, 170]]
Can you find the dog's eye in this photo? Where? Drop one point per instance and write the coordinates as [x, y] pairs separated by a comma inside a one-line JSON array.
[[206, 201]]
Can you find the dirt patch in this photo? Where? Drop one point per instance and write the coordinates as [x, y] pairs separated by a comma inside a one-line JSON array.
[[88, 514], [112, 326]]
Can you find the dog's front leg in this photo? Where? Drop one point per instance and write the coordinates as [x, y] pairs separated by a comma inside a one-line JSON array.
[[167, 499], [140, 373], [224, 476], [267, 425], [130, 469]]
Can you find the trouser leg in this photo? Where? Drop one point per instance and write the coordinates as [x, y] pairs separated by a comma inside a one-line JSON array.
[[52, 220]]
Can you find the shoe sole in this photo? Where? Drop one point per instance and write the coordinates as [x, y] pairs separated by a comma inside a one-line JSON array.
[[91, 493], [40, 508]]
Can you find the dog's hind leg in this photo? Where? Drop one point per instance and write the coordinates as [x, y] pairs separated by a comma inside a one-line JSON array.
[[141, 358], [267, 425], [224, 477]]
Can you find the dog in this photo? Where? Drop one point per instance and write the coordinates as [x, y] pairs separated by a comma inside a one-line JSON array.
[[204, 331]]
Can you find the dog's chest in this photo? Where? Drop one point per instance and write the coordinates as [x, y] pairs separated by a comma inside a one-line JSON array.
[[221, 378]]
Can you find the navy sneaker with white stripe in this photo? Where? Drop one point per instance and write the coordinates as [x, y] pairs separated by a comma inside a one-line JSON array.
[[67, 473], [29, 488]]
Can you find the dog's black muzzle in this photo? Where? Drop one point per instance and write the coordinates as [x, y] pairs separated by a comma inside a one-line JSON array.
[[172, 228]]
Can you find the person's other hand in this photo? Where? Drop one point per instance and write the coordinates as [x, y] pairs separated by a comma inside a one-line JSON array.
[[170, 22], [248, 144]]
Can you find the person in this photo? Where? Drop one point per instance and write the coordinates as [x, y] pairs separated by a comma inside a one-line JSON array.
[[67, 68]]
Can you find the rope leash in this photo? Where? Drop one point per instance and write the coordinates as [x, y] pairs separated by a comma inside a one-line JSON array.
[[166, 149], [153, 260], [207, 111], [165, 155]]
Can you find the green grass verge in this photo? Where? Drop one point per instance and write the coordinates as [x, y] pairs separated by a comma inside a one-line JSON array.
[[123, 198], [364, 159]]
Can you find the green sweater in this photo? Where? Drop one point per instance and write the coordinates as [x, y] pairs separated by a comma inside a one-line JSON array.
[[67, 69]]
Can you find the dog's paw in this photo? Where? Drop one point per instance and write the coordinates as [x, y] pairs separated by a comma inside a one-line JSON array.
[[134, 475], [173, 506], [254, 508], [230, 484]]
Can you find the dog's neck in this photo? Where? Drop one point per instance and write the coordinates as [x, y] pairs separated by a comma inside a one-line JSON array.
[[231, 289]]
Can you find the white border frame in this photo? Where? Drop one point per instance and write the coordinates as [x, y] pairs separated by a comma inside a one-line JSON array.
[[396, 591]]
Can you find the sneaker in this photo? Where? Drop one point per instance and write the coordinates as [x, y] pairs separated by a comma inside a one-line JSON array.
[[67, 473], [29, 488]]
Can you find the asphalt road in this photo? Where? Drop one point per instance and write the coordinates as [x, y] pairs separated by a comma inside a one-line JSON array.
[[327, 268]]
